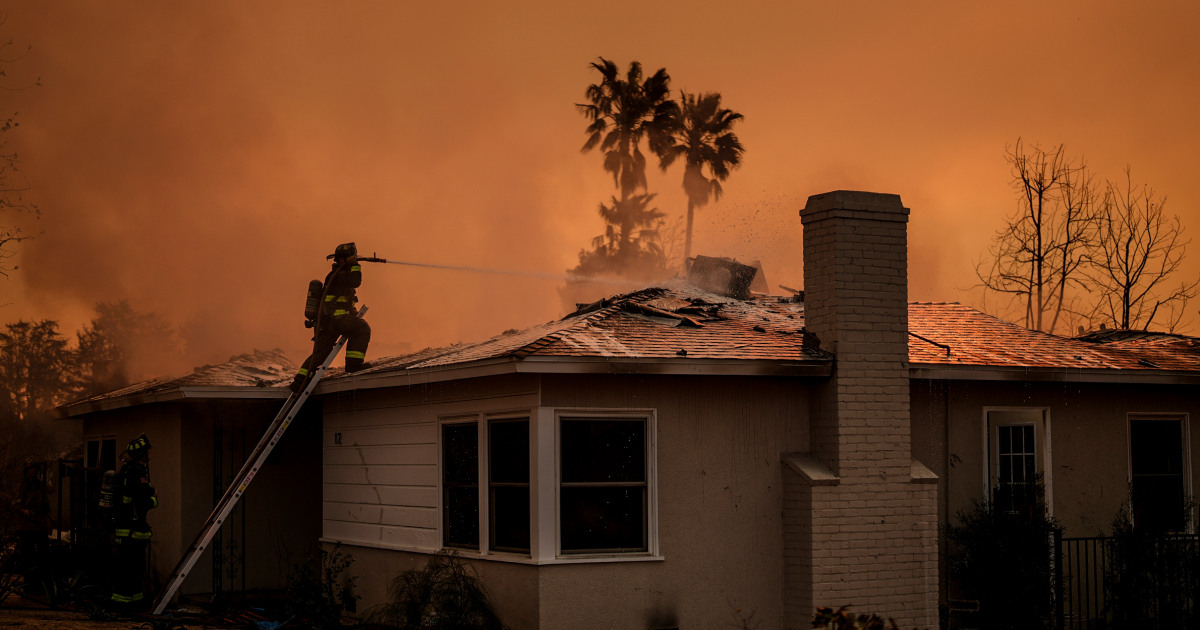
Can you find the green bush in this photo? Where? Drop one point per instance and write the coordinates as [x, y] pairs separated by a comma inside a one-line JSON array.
[[1002, 558]]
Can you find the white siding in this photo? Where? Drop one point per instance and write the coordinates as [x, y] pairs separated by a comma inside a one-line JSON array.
[[380, 462], [380, 482]]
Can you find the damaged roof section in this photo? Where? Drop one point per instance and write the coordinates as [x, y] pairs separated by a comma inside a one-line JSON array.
[[683, 329], [672, 324], [258, 374]]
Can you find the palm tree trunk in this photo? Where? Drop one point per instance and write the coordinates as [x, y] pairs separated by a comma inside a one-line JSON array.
[[687, 239]]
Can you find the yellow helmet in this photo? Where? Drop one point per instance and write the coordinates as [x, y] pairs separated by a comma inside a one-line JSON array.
[[138, 445]]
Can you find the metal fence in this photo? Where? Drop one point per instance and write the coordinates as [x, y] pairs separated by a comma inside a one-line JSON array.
[[1132, 581]]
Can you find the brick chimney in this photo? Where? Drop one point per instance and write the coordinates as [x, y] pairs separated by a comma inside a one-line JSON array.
[[860, 516]]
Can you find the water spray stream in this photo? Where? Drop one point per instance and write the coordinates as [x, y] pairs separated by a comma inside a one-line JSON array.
[[526, 274]]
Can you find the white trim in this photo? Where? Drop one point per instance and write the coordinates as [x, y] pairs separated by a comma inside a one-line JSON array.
[[1043, 450], [650, 417], [470, 554], [544, 487], [485, 431], [442, 421], [481, 421], [542, 476], [1186, 454]]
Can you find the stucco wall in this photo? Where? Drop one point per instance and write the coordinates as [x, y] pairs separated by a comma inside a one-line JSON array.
[[1088, 430], [511, 588], [719, 442], [161, 423], [719, 502]]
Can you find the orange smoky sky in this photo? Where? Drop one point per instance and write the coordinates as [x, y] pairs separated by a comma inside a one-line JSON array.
[[200, 159]]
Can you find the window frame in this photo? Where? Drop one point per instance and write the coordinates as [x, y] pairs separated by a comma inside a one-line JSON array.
[[100, 440], [1042, 448], [443, 508], [487, 424], [650, 522], [482, 423], [1185, 455]]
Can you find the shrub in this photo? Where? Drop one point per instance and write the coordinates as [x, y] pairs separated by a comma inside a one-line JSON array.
[[841, 619], [1002, 557], [445, 594], [1151, 577], [318, 597]]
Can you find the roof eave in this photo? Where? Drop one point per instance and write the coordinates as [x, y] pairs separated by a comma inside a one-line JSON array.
[[174, 394], [578, 365], [934, 371]]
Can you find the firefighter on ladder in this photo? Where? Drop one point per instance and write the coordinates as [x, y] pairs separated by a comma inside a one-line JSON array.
[[134, 497], [335, 315]]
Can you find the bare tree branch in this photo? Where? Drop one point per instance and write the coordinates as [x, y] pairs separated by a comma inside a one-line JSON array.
[[1039, 256], [1139, 250]]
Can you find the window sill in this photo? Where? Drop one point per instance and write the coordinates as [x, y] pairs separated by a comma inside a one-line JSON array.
[[509, 558]]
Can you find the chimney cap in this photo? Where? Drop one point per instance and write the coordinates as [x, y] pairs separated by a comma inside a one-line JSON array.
[[855, 200]]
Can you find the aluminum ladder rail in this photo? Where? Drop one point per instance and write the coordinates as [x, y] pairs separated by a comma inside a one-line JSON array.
[[242, 480]]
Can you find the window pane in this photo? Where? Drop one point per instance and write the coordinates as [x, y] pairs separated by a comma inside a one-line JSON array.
[[1156, 462], [603, 519], [460, 453], [510, 518], [462, 517], [93, 453], [508, 479], [108, 454], [1156, 446], [509, 451], [460, 485], [600, 451], [1158, 504]]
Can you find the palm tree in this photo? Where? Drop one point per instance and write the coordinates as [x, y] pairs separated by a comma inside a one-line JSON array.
[[702, 134], [623, 111]]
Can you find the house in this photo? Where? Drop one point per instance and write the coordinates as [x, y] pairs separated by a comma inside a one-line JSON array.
[[201, 427], [674, 457], [1104, 419], [671, 458]]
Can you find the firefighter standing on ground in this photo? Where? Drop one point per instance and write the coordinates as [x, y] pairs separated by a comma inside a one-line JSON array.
[[336, 316], [134, 498]]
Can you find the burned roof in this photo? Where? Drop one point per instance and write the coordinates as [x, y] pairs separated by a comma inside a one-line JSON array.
[[682, 329], [257, 372], [675, 324], [689, 330]]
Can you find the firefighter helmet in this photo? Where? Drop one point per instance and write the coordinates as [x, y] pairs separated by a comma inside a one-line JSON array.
[[137, 446], [345, 250]]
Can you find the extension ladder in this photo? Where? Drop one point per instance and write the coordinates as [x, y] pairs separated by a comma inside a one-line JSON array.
[[242, 480]]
